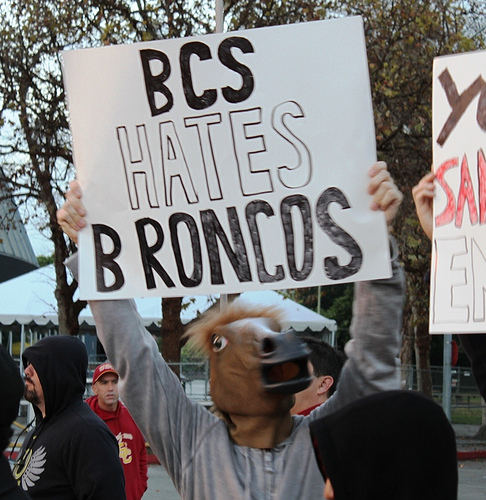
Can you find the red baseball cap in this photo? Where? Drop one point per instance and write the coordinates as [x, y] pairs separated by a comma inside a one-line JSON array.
[[101, 370]]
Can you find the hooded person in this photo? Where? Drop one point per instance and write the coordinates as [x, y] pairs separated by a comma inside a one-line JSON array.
[[392, 445], [11, 390], [133, 452], [71, 453]]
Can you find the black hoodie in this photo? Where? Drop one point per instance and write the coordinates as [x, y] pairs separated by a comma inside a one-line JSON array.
[[71, 453], [394, 445]]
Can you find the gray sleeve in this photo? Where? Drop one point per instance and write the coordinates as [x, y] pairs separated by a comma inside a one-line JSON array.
[[168, 419], [373, 363]]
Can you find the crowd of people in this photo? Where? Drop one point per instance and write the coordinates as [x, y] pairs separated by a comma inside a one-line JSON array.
[[338, 426]]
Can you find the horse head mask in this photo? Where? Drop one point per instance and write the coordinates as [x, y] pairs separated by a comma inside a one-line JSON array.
[[255, 368]]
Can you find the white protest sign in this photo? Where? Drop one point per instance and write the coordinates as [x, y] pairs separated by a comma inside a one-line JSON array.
[[458, 273], [226, 163]]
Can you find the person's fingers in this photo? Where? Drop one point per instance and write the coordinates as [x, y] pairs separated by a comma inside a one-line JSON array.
[[388, 198], [75, 188], [68, 215], [423, 194], [424, 190], [378, 173], [386, 195], [73, 196], [71, 215], [384, 192], [70, 232]]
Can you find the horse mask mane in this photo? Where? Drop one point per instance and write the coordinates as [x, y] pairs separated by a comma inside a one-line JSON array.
[[255, 368]]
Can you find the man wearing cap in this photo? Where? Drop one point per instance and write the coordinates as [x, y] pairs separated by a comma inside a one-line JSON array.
[[70, 454], [11, 390], [133, 454]]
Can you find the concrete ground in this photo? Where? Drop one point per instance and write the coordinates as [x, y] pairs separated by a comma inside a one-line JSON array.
[[160, 486], [472, 479], [471, 463]]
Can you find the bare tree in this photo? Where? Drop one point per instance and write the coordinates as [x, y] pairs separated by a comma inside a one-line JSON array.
[[35, 141]]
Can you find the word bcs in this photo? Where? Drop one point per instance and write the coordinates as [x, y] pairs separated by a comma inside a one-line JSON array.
[[157, 82]]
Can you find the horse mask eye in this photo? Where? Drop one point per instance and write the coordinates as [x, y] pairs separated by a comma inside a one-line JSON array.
[[218, 342]]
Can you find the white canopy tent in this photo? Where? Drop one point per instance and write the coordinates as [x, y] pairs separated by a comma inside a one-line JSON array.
[[29, 301]]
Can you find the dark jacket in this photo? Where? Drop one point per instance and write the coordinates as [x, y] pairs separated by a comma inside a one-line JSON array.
[[475, 346], [9, 489], [71, 454], [394, 445], [11, 390]]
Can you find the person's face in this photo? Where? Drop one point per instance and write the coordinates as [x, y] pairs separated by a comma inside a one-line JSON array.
[[33, 388], [328, 490], [308, 397], [106, 388]]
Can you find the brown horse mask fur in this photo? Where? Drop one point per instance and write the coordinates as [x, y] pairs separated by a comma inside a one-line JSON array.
[[255, 370]]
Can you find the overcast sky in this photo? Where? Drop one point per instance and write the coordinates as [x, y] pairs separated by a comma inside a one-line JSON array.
[[40, 244]]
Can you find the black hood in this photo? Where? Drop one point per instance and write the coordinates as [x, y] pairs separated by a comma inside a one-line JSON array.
[[11, 388], [61, 363], [395, 445]]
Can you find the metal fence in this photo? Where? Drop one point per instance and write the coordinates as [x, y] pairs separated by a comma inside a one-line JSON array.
[[194, 377], [467, 406], [463, 386]]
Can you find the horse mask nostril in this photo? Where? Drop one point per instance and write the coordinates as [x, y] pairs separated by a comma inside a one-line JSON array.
[[268, 347]]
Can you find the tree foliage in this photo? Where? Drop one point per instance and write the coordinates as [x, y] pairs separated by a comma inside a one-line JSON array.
[[35, 140], [402, 37], [45, 260]]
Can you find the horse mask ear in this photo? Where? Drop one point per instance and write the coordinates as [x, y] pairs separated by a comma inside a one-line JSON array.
[[201, 331]]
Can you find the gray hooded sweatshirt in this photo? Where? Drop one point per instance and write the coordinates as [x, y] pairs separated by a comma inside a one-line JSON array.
[[195, 447]]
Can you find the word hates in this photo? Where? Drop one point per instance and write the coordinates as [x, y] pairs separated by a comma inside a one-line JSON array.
[[237, 252], [246, 138], [454, 211]]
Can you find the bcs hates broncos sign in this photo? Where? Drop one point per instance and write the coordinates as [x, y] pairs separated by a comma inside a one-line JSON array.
[[226, 163]]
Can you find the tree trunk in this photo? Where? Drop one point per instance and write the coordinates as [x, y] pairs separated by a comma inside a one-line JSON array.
[[67, 310], [171, 331], [406, 351], [422, 356], [41, 166]]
